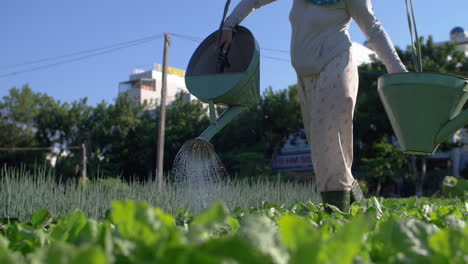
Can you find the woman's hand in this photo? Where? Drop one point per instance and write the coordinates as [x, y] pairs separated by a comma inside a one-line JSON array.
[[225, 41]]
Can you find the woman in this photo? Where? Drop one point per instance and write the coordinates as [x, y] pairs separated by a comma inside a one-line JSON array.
[[328, 80]]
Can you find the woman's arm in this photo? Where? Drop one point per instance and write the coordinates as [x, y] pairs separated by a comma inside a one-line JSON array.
[[242, 10], [361, 11]]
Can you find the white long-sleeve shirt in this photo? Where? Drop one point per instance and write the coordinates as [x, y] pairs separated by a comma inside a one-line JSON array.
[[320, 32]]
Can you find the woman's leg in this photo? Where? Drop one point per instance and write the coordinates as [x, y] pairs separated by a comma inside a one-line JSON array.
[[327, 103]]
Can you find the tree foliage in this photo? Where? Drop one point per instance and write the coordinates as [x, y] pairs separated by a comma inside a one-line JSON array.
[[18, 111]]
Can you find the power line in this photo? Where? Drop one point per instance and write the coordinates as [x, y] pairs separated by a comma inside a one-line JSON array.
[[81, 52], [275, 58], [199, 40], [112, 48], [187, 37], [276, 50], [101, 51], [78, 58]]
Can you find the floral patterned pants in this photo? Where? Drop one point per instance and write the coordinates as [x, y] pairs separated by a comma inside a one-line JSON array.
[[327, 104]]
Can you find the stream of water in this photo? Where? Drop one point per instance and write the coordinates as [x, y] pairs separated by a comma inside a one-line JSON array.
[[198, 167]]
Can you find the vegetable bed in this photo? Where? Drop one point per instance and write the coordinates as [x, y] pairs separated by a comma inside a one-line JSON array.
[[413, 230]]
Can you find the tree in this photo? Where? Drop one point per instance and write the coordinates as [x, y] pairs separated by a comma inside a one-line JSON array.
[[282, 115], [59, 124], [18, 126], [385, 164], [445, 58], [23, 105], [107, 132]]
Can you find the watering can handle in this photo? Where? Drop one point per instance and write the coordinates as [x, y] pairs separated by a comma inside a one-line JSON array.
[[453, 125], [226, 9], [223, 61], [417, 60]]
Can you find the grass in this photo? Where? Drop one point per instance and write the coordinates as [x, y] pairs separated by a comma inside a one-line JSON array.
[[22, 193]]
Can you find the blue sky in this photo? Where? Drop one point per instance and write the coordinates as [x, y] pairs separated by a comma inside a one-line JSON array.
[[32, 30]]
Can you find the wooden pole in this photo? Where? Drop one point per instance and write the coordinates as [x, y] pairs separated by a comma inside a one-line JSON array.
[[162, 117], [83, 165]]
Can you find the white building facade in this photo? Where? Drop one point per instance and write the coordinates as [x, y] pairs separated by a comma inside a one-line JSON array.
[[145, 86]]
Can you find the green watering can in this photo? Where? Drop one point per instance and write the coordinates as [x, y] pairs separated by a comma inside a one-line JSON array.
[[423, 108], [237, 86]]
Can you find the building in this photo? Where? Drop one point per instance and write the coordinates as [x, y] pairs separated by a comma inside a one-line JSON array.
[[145, 86], [460, 36]]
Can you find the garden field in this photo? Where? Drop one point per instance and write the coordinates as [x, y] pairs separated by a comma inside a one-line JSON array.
[[77, 226], [389, 231]]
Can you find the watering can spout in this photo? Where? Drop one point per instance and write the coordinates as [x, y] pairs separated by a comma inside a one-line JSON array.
[[452, 126], [227, 116]]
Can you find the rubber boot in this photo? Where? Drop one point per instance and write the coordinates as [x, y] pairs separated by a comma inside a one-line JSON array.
[[340, 199]]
